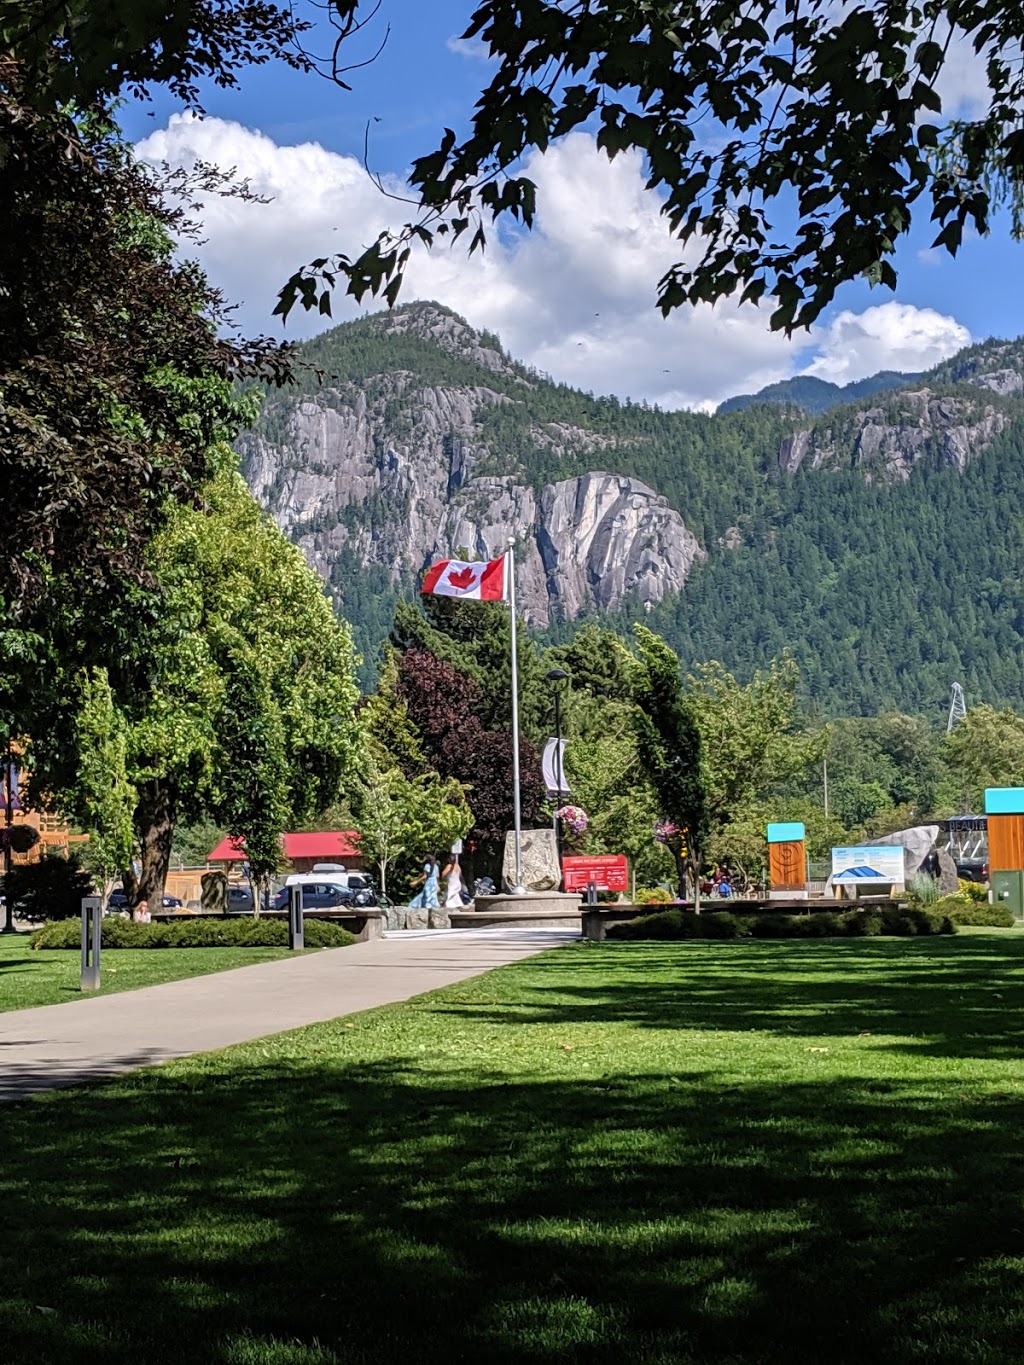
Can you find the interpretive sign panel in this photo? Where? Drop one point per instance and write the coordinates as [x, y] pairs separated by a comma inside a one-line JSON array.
[[883, 864], [608, 872]]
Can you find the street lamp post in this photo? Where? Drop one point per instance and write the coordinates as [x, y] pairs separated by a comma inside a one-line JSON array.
[[557, 677]]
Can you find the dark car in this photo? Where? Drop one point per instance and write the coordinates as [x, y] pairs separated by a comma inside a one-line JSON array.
[[239, 900], [972, 870], [318, 896], [118, 902], [172, 903]]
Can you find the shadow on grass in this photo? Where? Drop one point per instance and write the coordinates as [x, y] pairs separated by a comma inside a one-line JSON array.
[[945, 997], [306, 1212]]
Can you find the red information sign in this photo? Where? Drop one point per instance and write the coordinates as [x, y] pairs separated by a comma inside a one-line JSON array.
[[608, 872]]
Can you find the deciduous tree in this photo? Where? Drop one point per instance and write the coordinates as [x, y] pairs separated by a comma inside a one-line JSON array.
[[788, 144]]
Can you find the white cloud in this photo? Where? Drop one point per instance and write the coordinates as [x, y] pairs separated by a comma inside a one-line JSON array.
[[475, 49], [890, 336], [575, 298]]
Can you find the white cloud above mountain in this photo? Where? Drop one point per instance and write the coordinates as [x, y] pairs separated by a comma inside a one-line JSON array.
[[575, 298]]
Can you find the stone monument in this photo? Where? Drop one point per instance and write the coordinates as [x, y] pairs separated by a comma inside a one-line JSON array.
[[541, 869]]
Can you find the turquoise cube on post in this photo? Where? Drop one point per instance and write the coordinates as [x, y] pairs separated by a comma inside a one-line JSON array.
[[786, 833], [1004, 801]]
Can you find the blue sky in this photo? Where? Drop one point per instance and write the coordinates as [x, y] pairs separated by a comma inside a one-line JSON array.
[[577, 300]]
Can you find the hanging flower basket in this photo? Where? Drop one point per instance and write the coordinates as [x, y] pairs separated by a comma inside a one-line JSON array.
[[574, 819], [18, 838]]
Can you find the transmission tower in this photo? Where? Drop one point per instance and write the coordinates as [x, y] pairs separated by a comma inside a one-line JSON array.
[[957, 707]]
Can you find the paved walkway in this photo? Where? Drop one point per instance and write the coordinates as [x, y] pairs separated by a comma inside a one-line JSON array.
[[54, 1046]]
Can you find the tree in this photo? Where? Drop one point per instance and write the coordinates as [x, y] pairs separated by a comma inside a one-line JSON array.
[[749, 737], [789, 144], [236, 693], [442, 705], [105, 798], [402, 819], [671, 750], [116, 389], [83, 52], [986, 750]]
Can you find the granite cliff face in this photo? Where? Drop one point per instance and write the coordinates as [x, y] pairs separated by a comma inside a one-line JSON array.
[[400, 474], [886, 441]]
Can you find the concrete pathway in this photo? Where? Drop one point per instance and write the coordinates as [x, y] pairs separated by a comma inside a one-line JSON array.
[[54, 1046]]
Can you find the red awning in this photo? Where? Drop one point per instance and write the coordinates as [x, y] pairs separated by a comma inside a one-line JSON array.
[[329, 846]]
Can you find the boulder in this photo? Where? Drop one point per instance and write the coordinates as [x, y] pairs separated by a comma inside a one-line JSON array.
[[395, 916], [541, 870], [949, 880], [439, 919], [215, 893], [416, 918], [917, 842]]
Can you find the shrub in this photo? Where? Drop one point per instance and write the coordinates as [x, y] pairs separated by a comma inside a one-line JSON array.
[[681, 924], [924, 890], [720, 924], [976, 913], [975, 892], [653, 895], [50, 889], [195, 933], [863, 923], [906, 921]]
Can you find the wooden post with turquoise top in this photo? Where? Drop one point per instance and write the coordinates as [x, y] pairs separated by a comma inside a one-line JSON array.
[[1004, 812], [787, 861]]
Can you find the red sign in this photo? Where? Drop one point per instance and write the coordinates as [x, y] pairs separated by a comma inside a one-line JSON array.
[[608, 872]]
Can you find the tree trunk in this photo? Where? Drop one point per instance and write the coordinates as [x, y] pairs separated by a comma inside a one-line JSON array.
[[154, 818]]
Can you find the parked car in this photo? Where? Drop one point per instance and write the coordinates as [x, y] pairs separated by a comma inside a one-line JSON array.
[[361, 884], [318, 895], [972, 870], [172, 903], [118, 902], [239, 900]]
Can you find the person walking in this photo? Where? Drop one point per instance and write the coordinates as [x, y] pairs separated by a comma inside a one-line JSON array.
[[430, 878], [453, 884]]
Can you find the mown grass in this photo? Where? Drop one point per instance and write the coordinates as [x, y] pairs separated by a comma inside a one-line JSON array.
[[48, 978], [737, 1153]]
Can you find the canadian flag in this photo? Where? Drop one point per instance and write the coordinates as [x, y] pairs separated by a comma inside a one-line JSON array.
[[481, 582]]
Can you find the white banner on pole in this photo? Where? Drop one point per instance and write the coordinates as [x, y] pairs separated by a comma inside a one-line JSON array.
[[553, 765]]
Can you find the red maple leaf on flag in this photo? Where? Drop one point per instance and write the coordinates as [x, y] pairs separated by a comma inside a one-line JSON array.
[[463, 578]]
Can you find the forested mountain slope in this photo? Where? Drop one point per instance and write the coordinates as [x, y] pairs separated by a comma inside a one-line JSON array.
[[882, 542]]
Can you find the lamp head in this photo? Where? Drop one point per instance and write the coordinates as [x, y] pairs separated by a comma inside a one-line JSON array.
[[556, 675]]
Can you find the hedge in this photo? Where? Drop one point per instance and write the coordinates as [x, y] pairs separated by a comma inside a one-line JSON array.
[[975, 913], [682, 924], [194, 933]]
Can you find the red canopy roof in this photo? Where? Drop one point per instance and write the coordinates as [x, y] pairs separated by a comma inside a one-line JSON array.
[[327, 845]]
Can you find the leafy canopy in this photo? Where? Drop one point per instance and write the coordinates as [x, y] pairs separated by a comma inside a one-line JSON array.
[[789, 143]]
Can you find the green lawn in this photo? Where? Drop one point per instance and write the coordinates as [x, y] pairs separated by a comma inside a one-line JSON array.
[[740, 1153], [50, 977]]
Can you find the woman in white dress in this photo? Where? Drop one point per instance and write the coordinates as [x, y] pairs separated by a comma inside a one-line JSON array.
[[453, 892]]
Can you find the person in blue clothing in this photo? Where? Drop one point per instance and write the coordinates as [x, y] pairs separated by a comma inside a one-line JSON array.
[[725, 887], [431, 878]]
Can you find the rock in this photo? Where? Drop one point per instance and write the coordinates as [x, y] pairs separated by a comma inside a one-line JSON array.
[[949, 881], [416, 918], [917, 842], [214, 893], [541, 871], [395, 916], [439, 919]]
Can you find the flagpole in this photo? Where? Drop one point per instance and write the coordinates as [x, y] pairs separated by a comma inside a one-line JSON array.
[[510, 569]]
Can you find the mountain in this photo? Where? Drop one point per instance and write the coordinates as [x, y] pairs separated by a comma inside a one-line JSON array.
[[815, 396], [879, 542]]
